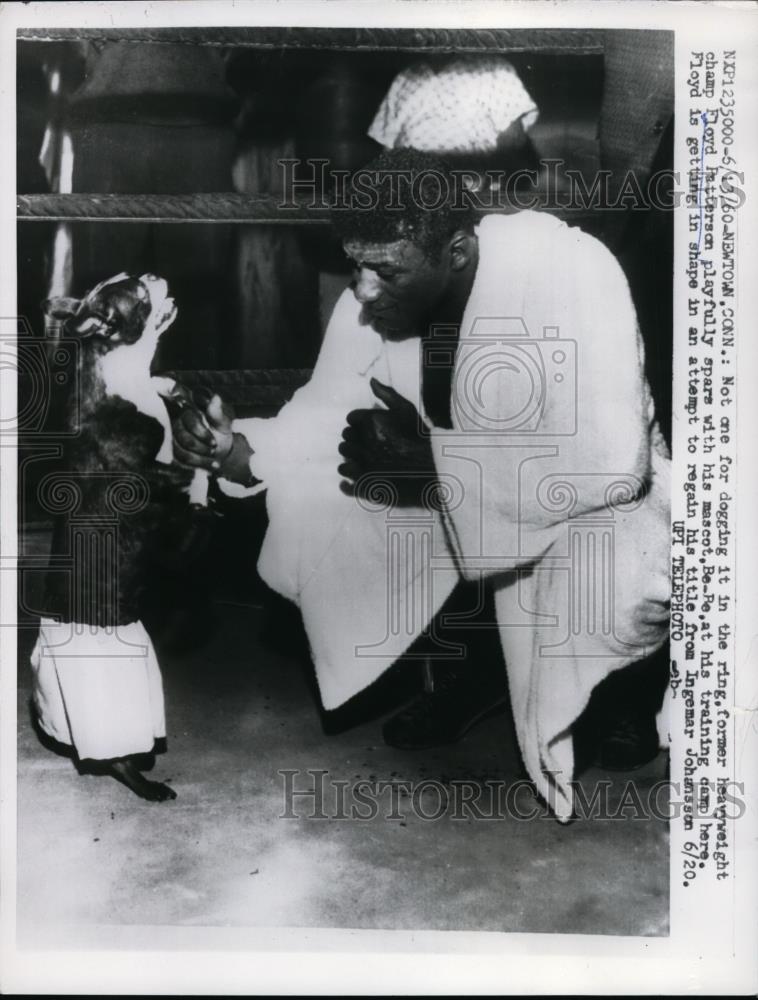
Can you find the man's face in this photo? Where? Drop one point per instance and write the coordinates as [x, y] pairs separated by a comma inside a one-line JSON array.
[[398, 285]]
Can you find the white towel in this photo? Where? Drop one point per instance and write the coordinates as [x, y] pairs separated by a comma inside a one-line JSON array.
[[462, 106]]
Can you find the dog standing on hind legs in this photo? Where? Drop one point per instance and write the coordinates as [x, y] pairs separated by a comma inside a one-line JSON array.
[[97, 682]]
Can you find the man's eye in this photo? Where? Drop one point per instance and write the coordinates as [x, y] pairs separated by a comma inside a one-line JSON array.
[[385, 275]]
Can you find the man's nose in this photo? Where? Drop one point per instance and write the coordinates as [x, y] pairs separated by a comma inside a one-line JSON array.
[[367, 286]]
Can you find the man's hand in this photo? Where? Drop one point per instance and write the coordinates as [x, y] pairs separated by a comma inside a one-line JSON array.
[[207, 442], [387, 445], [204, 441]]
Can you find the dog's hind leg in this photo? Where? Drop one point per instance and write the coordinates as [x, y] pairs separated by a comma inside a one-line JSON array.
[[126, 771]]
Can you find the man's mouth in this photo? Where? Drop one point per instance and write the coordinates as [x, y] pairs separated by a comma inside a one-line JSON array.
[[385, 317]]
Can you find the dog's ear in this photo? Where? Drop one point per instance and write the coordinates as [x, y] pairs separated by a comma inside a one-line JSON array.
[[61, 307]]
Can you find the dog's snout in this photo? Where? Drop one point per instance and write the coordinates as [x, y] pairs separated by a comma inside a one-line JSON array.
[[157, 288]]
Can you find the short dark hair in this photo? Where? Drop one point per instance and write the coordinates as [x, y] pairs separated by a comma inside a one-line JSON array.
[[403, 194]]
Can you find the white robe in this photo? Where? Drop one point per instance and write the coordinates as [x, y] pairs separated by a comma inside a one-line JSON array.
[[98, 690], [554, 481]]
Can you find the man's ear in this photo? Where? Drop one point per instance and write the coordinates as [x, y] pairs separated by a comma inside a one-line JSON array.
[[61, 307], [461, 249]]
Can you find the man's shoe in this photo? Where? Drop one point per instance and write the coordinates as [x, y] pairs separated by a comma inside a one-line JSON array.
[[446, 714], [631, 743]]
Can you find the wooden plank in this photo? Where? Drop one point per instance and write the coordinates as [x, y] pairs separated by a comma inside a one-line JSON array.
[[219, 208], [269, 388], [548, 40]]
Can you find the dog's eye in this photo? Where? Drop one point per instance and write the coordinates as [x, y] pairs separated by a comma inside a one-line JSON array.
[[110, 320]]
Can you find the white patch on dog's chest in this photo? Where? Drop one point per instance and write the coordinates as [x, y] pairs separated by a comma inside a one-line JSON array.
[[126, 373]]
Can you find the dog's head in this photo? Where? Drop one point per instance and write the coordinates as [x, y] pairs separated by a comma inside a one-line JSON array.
[[118, 311]]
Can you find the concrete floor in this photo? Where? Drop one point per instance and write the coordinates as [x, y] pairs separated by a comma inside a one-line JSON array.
[[220, 855]]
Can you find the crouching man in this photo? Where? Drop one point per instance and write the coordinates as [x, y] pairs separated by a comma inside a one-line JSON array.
[[478, 411]]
